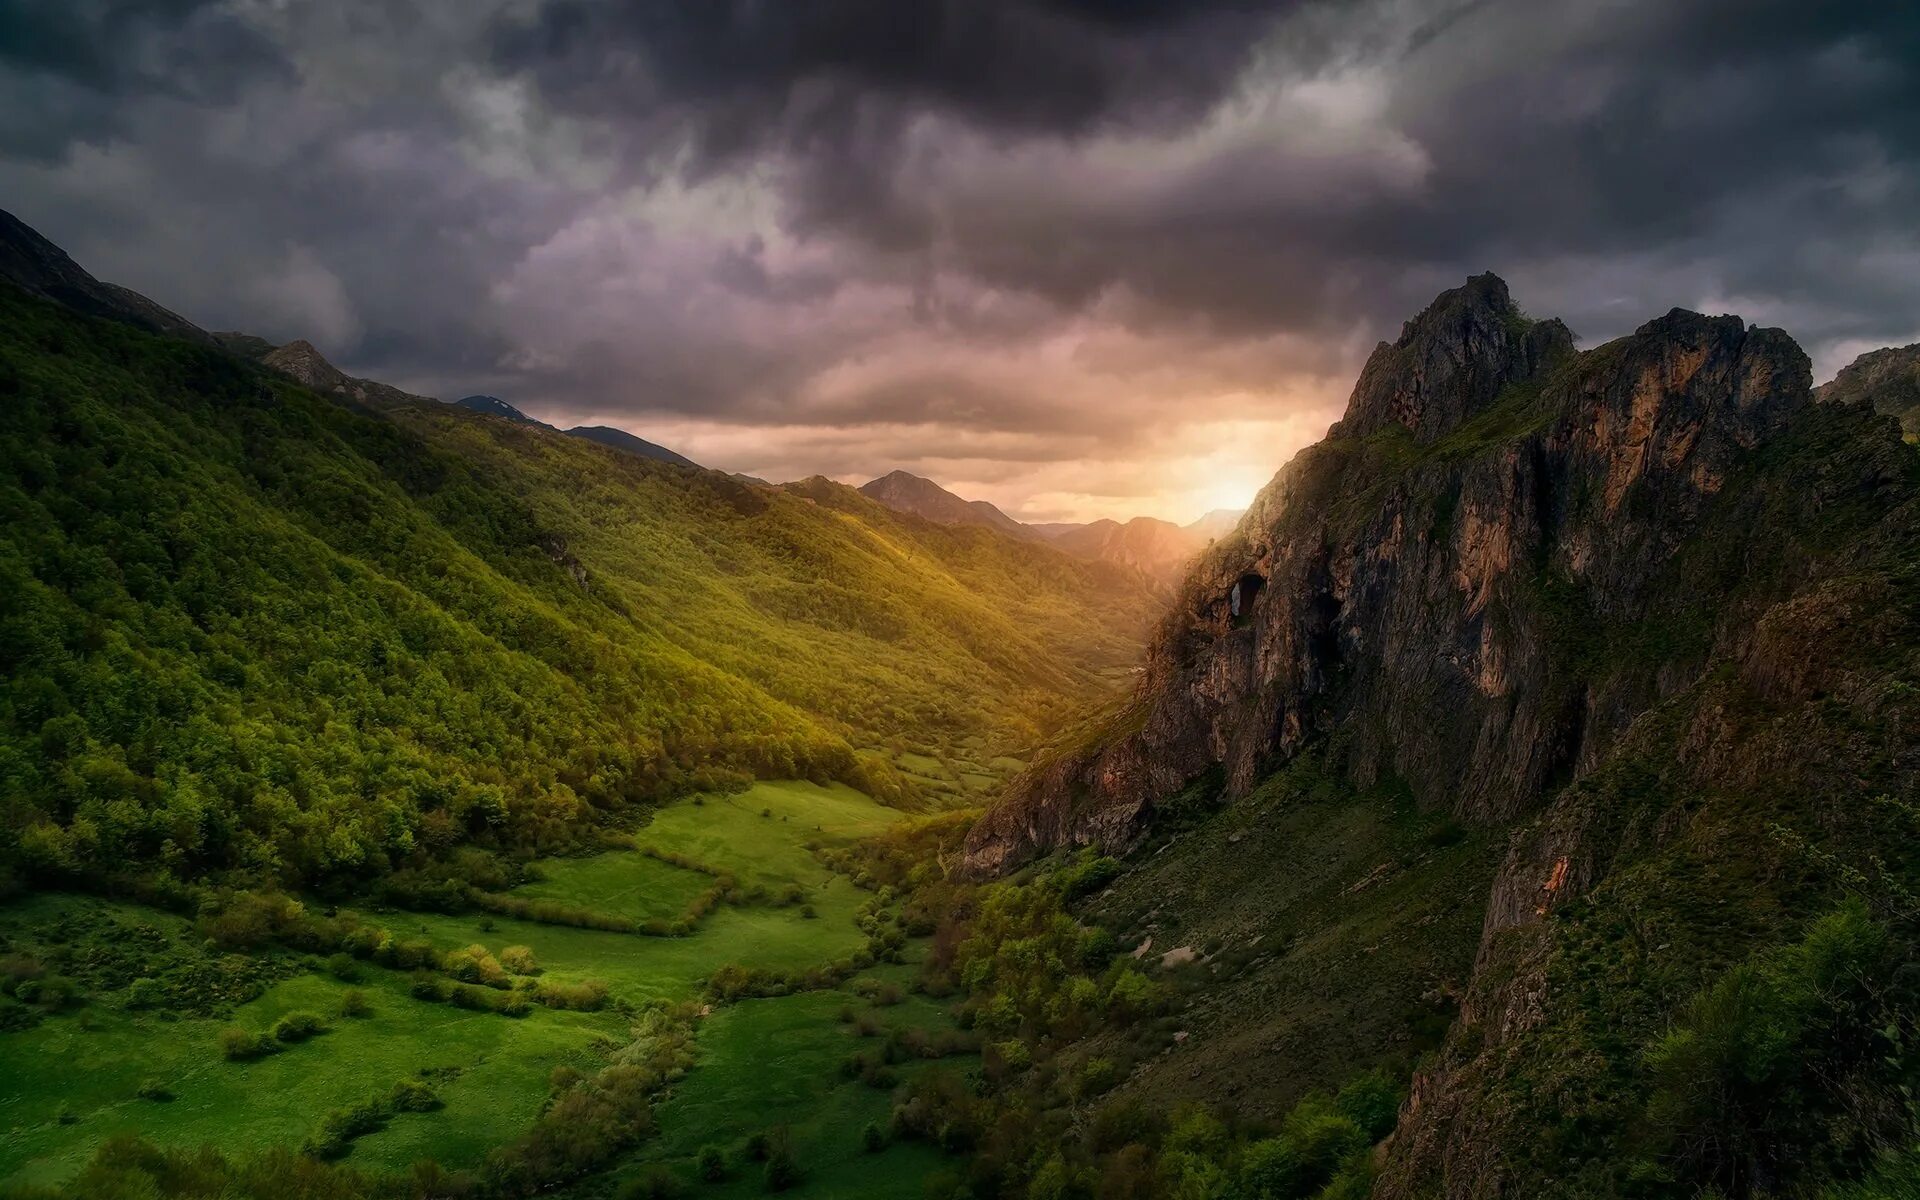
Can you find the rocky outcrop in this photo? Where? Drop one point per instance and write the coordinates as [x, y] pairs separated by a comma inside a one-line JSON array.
[[1647, 612], [1888, 379], [1425, 586], [300, 361]]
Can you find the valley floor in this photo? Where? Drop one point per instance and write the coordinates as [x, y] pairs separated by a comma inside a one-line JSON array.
[[112, 1064]]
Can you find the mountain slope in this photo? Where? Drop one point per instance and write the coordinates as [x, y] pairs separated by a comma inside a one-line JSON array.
[[1642, 618], [904, 492], [40, 268], [494, 406], [247, 628], [1889, 379], [620, 439]]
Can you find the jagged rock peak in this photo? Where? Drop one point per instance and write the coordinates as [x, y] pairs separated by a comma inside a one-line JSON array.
[[1452, 361]]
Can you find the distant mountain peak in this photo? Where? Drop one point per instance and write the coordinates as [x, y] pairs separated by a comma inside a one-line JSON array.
[[494, 406], [620, 439], [906, 492]]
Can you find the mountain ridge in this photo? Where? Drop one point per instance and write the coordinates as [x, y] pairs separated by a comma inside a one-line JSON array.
[[1156, 548], [1613, 607]]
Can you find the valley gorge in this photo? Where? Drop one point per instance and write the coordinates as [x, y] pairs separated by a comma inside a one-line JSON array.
[[1553, 698]]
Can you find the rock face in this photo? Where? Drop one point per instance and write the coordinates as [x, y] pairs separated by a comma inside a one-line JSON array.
[[1890, 378], [1648, 610], [300, 361], [1408, 582]]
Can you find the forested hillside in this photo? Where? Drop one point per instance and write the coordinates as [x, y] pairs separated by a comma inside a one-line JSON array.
[[246, 627]]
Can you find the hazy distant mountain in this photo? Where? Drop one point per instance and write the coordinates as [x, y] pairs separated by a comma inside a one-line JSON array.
[[908, 493], [1216, 524], [1158, 548]]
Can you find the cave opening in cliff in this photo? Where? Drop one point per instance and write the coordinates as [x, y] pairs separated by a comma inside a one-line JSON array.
[[1240, 600]]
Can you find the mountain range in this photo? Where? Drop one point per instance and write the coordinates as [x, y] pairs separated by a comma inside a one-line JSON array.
[[1158, 549], [1520, 799]]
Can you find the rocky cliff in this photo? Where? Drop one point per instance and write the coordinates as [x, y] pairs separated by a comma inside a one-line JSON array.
[[1889, 379], [1649, 607], [1412, 582]]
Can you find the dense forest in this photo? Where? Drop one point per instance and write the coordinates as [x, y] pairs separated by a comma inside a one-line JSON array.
[[244, 627]]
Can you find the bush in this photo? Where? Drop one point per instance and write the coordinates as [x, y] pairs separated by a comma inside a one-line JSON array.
[[241, 1045], [154, 1090], [298, 1027], [343, 967], [586, 996], [758, 1144], [145, 993], [873, 1139], [781, 1171], [1372, 1102], [410, 1095], [711, 1164], [519, 960], [353, 1003]]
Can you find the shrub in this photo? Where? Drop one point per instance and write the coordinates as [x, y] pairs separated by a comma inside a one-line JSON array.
[[475, 964], [410, 1095], [145, 993], [343, 967], [873, 1139], [758, 1144], [589, 995], [241, 1045], [154, 1090], [519, 960], [781, 1171], [1372, 1102], [353, 1003], [298, 1027], [712, 1164]]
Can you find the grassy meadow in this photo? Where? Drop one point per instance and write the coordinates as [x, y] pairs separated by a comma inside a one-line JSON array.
[[113, 1062]]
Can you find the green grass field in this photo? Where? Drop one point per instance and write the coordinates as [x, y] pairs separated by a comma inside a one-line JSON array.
[[619, 882], [74, 1079], [775, 1062]]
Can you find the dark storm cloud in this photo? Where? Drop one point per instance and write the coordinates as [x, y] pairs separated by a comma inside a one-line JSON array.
[[1045, 247], [740, 67], [88, 58]]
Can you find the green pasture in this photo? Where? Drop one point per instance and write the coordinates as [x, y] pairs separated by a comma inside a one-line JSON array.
[[74, 1078]]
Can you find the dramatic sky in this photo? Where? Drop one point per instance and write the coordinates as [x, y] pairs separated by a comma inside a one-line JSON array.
[[1078, 257]]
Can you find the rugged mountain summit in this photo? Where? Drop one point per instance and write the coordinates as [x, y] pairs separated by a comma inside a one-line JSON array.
[[1889, 379], [1646, 609], [1406, 581]]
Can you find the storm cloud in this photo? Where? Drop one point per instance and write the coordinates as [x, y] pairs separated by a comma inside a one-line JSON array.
[[1078, 257]]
